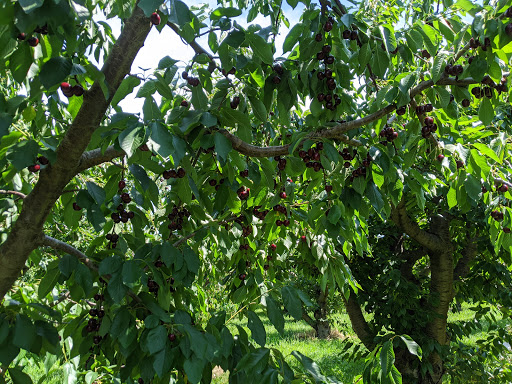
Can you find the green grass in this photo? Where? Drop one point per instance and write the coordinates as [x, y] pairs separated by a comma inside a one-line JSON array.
[[298, 336]]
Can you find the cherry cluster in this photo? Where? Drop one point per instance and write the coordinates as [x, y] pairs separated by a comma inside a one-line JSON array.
[[94, 323], [279, 208], [36, 167], [497, 215], [122, 215], [345, 154], [475, 43], [113, 238], [420, 109], [429, 127], [361, 171], [279, 70], [454, 70], [480, 92], [232, 71], [214, 183], [192, 81], [174, 174], [244, 173], [234, 102], [312, 157], [260, 214], [177, 217], [243, 193], [281, 162], [330, 101], [69, 90], [389, 134], [401, 111], [153, 286], [350, 35]]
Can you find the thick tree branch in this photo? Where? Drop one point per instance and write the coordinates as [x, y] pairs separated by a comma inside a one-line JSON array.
[[468, 255], [15, 193], [359, 323], [402, 220], [26, 231], [96, 157], [47, 241]]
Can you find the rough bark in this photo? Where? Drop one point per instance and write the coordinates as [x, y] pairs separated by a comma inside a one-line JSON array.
[[25, 234], [358, 322]]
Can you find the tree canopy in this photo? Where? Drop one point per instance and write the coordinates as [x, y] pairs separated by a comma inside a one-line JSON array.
[[370, 152]]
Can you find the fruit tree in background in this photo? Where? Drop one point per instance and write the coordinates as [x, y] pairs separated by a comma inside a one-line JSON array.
[[245, 167]]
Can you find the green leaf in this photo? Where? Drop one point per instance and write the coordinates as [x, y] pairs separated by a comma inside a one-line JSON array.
[[30, 5], [451, 197], [150, 109], [375, 197], [484, 149], [18, 376], [486, 111], [23, 154], [310, 366], [149, 6], [275, 314], [412, 346], [194, 369], [232, 117], [163, 361], [116, 288], [334, 214], [192, 260], [179, 13], [96, 192], [388, 34], [156, 339], [131, 139], [406, 83], [293, 37], [257, 329], [54, 71], [292, 302], [438, 67], [199, 99], [261, 48], [258, 109], [131, 272], [365, 53], [126, 87], [24, 332], [20, 62], [48, 282], [83, 277], [141, 176], [395, 375], [222, 146], [478, 68], [225, 12], [387, 357], [110, 265]]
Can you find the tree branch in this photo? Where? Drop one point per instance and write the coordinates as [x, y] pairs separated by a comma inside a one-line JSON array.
[[16, 193], [96, 157], [468, 255], [47, 241], [402, 220], [26, 232], [359, 323]]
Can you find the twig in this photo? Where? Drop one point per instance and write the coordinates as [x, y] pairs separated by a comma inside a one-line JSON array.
[[16, 193]]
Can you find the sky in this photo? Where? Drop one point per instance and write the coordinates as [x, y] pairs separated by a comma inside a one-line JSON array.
[[168, 43]]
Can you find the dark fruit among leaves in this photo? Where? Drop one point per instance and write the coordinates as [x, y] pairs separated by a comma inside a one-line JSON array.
[[33, 41], [22, 36], [346, 34], [466, 103], [318, 37], [76, 207], [328, 26], [78, 90], [155, 18], [34, 168], [440, 157]]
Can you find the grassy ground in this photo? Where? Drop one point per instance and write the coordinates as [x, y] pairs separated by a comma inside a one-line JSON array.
[[299, 337]]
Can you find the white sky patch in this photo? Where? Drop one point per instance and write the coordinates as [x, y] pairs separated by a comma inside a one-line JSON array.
[[168, 43]]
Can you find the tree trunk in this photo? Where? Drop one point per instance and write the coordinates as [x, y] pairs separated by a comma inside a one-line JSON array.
[[323, 327]]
